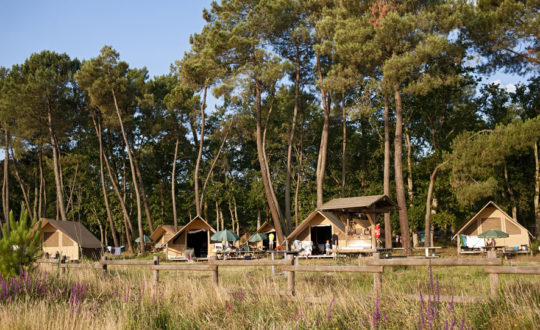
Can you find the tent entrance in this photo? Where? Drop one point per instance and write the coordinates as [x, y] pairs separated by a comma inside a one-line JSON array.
[[266, 242], [198, 241], [319, 236]]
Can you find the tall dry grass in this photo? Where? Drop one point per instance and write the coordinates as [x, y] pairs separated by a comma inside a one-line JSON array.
[[249, 298]]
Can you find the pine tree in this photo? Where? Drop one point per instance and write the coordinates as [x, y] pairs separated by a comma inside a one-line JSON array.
[[19, 246]]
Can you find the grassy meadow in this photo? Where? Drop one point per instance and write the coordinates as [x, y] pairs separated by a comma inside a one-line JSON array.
[[125, 298]]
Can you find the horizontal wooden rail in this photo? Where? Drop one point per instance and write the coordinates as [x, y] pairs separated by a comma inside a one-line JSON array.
[[48, 261], [242, 263], [531, 270], [127, 262], [185, 267], [435, 262], [330, 269], [96, 266]]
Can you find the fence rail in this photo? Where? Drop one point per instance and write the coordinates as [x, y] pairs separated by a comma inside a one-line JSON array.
[[436, 262], [530, 270], [375, 266]]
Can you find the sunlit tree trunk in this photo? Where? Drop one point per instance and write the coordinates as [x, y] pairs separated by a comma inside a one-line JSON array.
[[199, 154], [270, 197], [173, 190], [321, 160], [537, 191], [5, 184], [59, 188], [133, 175], [290, 147], [510, 192], [97, 127], [343, 145], [400, 189], [386, 173]]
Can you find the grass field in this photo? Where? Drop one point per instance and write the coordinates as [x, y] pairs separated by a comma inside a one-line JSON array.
[[249, 298]]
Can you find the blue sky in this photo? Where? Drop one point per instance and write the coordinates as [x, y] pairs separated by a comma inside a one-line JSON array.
[[145, 33]]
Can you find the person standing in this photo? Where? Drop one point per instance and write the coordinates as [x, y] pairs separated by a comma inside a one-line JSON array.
[[271, 241], [335, 241]]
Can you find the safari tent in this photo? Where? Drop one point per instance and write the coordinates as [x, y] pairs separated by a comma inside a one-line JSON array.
[[195, 236], [491, 216], [353, 220], [69, 239], [162, 234]]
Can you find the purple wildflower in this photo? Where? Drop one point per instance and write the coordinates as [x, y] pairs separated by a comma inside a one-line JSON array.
[[332, 303]]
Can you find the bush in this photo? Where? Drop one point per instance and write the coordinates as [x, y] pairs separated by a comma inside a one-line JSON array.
[[20, 245]]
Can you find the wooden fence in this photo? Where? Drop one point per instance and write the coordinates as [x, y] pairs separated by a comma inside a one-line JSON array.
[[493, 267]]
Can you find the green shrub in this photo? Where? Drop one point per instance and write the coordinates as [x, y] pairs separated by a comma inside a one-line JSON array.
[[20, 245]]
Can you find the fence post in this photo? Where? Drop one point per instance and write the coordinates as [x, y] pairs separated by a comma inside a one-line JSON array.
[[273, 268], [290, 277], [215, 276], [377, 277], [296, 262], [63, 266], [494, 284], [156, 272], [104, 264], [492, 254]]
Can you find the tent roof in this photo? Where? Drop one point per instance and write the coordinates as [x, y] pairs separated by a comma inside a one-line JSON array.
[[362, 204], [492, 204], [328, 215], [161, 230], [181, 230], [76, 231], [265, 227]]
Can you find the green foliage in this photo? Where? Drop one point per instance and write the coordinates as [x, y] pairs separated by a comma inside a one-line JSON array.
[[20, 246]]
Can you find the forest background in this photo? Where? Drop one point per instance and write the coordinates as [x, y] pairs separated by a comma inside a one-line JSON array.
[[311, 100]]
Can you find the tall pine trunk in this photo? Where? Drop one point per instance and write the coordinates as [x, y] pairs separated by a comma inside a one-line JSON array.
[[56, 168], [5, 184], [398, 175], [133, 175], [144, 199], [217, 217], [270, 197], [199, 154], [25, 194], [537, 190], [409, 166], [510, 192], [343, 145], [173, 191], [41, 185], [97, 127], [321, 160], [300, 170], [386, 173], [290, 147], [428, 205]]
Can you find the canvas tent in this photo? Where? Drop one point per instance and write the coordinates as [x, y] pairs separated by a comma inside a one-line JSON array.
[[162, 234], [491, 216], [69, 239], [194, 238], [353, 220]]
